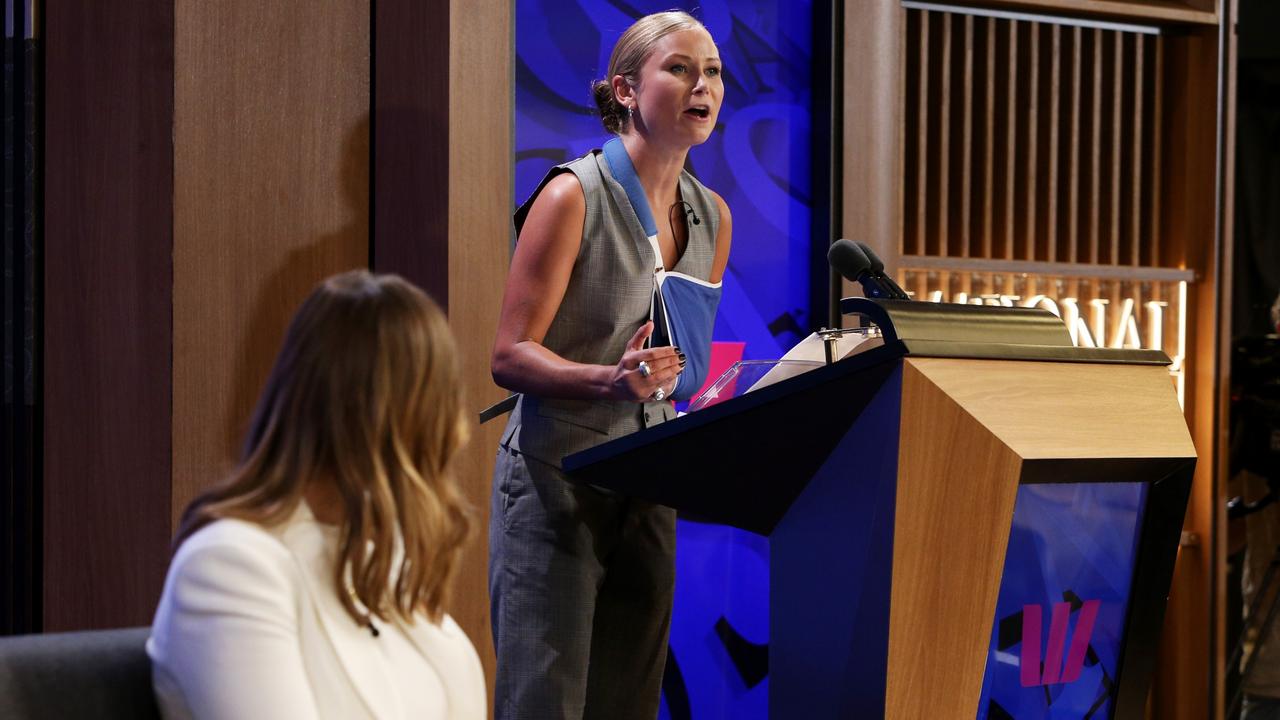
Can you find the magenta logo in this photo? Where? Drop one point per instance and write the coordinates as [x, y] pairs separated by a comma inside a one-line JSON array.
[[1055, 672]]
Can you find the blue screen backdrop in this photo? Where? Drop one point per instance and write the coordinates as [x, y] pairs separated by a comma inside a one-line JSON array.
[[760, 160]]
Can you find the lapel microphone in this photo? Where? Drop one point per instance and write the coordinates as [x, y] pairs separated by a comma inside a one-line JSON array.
[[688, 210]]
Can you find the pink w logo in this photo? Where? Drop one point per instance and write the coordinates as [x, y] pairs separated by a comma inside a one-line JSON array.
[[1055, 672]]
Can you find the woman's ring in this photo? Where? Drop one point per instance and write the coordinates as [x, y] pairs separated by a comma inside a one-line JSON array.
[[643, 367], [659, 395]]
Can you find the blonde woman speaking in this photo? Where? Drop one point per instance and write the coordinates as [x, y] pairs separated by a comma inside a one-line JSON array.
[[606, 317]]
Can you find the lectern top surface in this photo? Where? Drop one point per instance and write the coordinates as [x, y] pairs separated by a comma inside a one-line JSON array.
[[1066, 410]]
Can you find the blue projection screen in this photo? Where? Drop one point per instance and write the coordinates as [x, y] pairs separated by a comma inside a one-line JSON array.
[[760, 160]]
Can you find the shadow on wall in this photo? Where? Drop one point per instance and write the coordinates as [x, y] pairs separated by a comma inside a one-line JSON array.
[[280, 293]]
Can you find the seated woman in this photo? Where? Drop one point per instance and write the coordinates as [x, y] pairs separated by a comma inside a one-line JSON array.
[[312, 583]]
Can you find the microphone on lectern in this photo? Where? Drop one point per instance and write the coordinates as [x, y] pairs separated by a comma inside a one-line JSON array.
[[877, 268], [852, 262]]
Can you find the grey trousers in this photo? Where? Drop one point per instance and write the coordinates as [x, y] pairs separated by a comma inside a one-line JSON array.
[[580, 585]]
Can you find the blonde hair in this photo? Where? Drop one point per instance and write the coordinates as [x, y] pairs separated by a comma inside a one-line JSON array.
[[629, 55], [365, 394]]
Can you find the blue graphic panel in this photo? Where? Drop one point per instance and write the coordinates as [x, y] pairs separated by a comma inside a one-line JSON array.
[[759, 160], [1060, 616], [720, 627]]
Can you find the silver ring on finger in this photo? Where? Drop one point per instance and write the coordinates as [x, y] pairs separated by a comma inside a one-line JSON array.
[[659, 395], [643, 367]]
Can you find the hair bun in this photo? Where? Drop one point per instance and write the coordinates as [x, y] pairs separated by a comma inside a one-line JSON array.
[[628, 56], [612, 114]]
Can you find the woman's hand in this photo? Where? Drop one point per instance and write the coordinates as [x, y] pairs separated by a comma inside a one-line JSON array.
[[630, 383]]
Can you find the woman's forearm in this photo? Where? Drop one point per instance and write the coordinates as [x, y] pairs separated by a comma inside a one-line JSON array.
[[529, 367]]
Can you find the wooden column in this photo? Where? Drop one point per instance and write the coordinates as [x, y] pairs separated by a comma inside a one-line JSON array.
[[1183, 677], [873, 111], [442, 211], [270, 186], [107, 243], [481, 88]]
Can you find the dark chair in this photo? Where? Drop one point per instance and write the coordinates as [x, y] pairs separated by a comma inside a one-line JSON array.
[[96, 674]]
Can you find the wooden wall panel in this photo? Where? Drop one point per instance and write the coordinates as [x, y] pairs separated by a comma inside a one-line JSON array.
[[442, 213], [270, 186], [411, 144], [1190, 160], [1203, 12], [873, 187], [1094, 150], [108, 234], [1051, 144], [481, 55]]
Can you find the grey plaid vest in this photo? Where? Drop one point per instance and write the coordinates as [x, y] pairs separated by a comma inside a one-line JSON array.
[[607, 300]]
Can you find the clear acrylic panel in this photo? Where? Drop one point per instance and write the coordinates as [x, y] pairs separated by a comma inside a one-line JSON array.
[[747, 375]]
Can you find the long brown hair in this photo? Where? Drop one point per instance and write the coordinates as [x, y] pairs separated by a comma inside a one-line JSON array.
[[364, 394]]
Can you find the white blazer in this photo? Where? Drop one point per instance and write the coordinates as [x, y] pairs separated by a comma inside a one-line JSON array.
[[250, 626]]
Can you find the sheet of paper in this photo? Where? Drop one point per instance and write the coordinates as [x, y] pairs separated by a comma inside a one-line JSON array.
[[812, 349]]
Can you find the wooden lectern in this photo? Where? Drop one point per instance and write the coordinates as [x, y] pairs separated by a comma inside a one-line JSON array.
[[972, 519]]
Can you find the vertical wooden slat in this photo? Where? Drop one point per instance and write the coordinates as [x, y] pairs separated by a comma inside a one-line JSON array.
[[1073, 173], [1156, 248], [1030, 200], [988, 161], [1042, 137], [966, 140], [1055, 92], [1135, 206], [1117, 134], [1093, 208], [878, 89], [878, 55], [943, 240], [1136, 292], [922, 138], [910, 74], [1115, 298], [1011, 142]]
